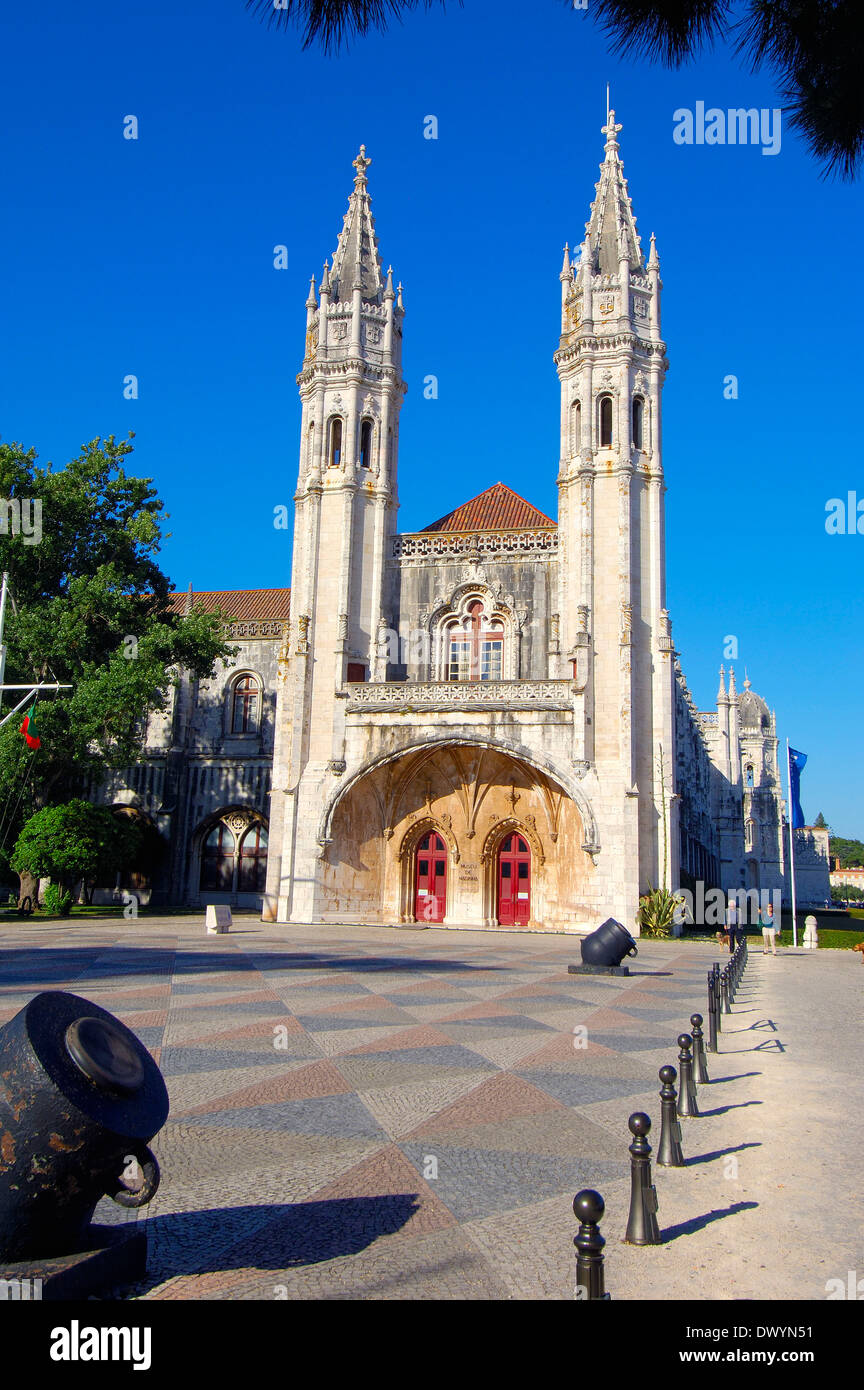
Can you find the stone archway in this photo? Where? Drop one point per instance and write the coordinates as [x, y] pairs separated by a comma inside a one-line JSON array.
[[469, 794]]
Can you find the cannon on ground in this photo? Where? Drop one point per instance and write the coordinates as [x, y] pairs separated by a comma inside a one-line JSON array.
[[604, 949], [80, 1100]]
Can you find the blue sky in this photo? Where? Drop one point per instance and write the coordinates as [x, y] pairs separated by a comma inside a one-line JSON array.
[[154, 257]]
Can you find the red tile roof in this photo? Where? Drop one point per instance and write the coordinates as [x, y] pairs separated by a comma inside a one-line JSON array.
[[499, 508], [243, 605]]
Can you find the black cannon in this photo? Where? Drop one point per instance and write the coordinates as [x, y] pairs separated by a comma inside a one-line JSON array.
[[80, 1099], [608, 945]]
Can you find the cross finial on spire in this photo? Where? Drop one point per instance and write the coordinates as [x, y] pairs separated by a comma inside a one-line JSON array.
[[361, 164], [610, 130]]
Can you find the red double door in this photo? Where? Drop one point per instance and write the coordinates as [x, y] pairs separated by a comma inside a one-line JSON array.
[[430, 892], [514, 882]]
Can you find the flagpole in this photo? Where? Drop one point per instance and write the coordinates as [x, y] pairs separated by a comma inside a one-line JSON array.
[[791, 842]]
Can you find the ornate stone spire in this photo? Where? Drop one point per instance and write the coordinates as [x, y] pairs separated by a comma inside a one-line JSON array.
[[612, 226], [721, 692], [356, 260]]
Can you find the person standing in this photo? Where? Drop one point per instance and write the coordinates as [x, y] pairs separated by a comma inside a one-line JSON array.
[[733, 923], [769, 929]]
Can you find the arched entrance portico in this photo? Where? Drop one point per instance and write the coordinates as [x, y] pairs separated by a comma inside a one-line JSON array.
[[458, 834]]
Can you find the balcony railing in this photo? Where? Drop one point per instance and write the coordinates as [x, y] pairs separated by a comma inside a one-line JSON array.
[[407, 696]]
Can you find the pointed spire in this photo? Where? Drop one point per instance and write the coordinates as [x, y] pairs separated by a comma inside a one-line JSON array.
[[612, 226], [733, 693], [565, 269], [389, 292], [311, 301], [399, 304], [356, 260], [325, 279], [653, 259], [746, 679], [721, 693]]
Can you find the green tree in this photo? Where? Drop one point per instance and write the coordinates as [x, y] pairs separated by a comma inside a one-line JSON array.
[[815, 48], [849, 852], [75, 842], [820, 822], [91, 609]]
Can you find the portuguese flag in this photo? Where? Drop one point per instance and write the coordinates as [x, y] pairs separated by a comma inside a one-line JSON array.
[[28, 728]]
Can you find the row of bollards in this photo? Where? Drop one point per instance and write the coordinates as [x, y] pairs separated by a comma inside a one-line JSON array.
[[722, 987], [642, 1227]]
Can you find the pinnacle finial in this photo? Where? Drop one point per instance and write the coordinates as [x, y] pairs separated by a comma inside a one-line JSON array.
[[361, 164], [721, 693], [565, 268], [610, 130], [653, 259], [311, 301]]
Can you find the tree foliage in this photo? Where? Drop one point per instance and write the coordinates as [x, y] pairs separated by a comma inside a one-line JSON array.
[[815, 48], [75, 841], [91, 610], [849, 852]]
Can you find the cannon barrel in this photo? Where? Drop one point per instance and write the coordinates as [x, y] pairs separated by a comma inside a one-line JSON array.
[[608, 945], [80, 1096]]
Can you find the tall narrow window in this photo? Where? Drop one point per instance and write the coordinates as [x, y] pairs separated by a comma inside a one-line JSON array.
[[244, 706], [252, 870], [217, 860], [576, 428], [748, 776], [335, 456], [476, 648], [638, 417], [366, 444], [605, 422]]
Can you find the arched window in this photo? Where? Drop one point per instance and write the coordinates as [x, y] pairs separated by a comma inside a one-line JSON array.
[[252, 873], [749, 777], [605, 422], [366, 444], [576, 427], [475, 649], [245, 705], [217, 861], [334, 456], [310, 447], [638, 422]]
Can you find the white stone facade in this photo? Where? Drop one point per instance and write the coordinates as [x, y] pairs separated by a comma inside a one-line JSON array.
[[500, 691]]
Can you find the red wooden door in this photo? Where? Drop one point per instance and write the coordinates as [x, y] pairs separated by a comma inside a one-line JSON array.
[[514, 882], [430, 895]]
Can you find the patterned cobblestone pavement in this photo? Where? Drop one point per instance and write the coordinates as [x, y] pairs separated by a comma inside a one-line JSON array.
[[372, 1113]]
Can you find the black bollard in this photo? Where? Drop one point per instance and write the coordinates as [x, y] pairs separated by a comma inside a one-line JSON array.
[[700, 1069], [718, 998], [687, 1106], [712, 1014], [727, 1006], [642, 1228], [669, 1154], [588, 1208]]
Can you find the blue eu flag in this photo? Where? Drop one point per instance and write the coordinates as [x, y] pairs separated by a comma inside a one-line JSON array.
[[796, 766]]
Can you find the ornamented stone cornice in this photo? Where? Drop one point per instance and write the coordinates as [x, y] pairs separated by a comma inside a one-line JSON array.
[[407, 697], [444, 545]]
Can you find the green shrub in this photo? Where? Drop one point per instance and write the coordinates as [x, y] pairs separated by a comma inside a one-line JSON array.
[[56, 902]]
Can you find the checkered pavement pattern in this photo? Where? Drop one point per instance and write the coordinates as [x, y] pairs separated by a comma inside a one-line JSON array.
[[364, 1113]]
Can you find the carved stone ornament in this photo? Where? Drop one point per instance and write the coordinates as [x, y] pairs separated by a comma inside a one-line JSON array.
[[337, 765]]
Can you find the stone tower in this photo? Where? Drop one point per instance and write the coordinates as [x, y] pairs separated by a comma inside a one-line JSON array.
[[351, 390], [615, 630]]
